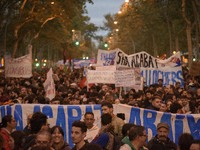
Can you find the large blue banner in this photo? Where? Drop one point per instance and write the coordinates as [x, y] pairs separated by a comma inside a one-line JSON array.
[[65, 115]]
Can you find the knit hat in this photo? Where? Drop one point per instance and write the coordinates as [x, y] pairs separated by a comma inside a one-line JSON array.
[[163, 125]]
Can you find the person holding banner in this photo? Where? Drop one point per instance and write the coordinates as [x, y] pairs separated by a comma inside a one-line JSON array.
[[116, 121], [161, 141]]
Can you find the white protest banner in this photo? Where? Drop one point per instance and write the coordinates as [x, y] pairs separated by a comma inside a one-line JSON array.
[[106, 58], [125, 78], [110, 68], [152, 69], [20, 67], [65, 115], [94, 76], [49, 85]]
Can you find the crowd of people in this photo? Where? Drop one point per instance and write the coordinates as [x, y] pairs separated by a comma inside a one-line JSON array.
[[71, 90]]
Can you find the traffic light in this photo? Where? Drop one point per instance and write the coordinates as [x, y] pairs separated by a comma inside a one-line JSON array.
[[105, 45], [77, 43]]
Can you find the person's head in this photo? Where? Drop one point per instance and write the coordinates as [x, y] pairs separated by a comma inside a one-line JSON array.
[[106, 119], [176, 108], [156, 102], [148, 95], [105, 88], [138, 134], [125, 128], [43, 138], [18, 137], [198, 92], [75, 101], [168, 104], [195, 145], [160, 81], [89, 119], [79, 130], [163, 107], [38, 122], [56, 101], [184, 100], [162, 131], [57, 135], [8, 122], [107, 107], [184, 141]]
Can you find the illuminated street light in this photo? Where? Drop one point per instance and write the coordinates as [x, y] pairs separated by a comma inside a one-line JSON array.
[[115, 22], [174, 52], [52, 3], [117, 30], [119, 12]]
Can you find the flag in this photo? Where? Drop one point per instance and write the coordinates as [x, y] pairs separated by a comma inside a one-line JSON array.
[[49, 85]]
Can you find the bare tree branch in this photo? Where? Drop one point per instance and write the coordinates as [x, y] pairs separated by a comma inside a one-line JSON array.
[[184, 13], [37, 34]]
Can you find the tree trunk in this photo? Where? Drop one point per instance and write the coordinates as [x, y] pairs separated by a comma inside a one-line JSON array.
[[177, 44], [15, 47], [189, 43]]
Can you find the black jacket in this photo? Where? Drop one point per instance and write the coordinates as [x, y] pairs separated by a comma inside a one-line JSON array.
[[156, 144]]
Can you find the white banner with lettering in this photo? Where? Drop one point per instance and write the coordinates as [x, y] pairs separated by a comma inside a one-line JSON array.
[[65, 115], [152, 69], [20, 67]]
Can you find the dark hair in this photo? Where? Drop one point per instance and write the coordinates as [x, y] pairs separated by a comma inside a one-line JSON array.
[[19, 137], [5, 120], [80, 124], [174, 107], [125, 128], [195, 142], [106, 119], [37, 121], [135, 131], [108, 104], [185, 141], [89, 113], [59, 129]]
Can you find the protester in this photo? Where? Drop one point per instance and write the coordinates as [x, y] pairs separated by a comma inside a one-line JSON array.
[[137, 136], [92, 130], [195, 145], [105, 137], [27, 128], [58, 142], [185, 141], [161, 141], [38, 123], [7, 125], [18, 137], [43, 138], [125, 131], [155, 103], [116, 121], [78, 134]]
